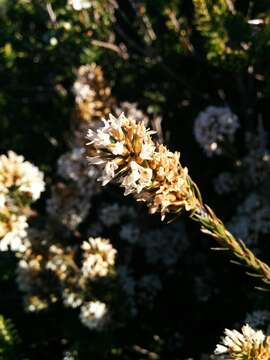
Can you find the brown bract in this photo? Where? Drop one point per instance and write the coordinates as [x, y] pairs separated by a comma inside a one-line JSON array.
[[171, 189]]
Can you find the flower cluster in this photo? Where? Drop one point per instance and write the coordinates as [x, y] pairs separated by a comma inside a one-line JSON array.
[[155, 243], [94, 100], [214, 129], [12, 231], [126, 152], [93, 96], [49, 272], [252, 219], [80, 4], [93, 314], [21, 183], [249, 172], [255, 163], [249, 345], [70, 199], [18, 174], [98, 257], [43, 264]]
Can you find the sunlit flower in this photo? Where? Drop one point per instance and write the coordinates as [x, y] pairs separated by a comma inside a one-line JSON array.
[[45, 268], [138, 179], [20, 184], [80, 4], [98, 257], [92, 94], [71, 299], [13, 232], [20, 175], [93, 314], [248, 345], [149, 171], [108, 173]]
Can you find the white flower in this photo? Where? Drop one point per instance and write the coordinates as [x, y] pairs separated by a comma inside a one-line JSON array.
[[2, 200], [103, 138], [130, 181], [80, 4], [220, 349], [71, 299], [91, 135], [96, 160], [108, 173], [115, 123], [147, 151], [14, 239], [98, 257], [257, 337], [138, 178], [93, 314], [15, 171], [53, 41], [214, 127], [118, 148], [82, 91], [236, 345]]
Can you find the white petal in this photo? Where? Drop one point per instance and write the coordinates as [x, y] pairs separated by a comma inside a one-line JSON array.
[[220, 349]]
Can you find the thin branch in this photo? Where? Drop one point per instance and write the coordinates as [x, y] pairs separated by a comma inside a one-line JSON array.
[[112, 47]]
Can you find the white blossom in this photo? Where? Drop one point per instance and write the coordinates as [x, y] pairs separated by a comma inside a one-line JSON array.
[[93, 314], [71, 299], [240, 345], [14, 239], [16, 172], [80, 4], [109, 172], [147, 151], [98, 257], [138, 178], [215, 127]]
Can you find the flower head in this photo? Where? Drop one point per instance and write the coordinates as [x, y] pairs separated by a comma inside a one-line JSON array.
[[248, 344], [12, 232], [93, 314], [125, 151], [92, 94], [98, 257], [20, 184], [79, 4], [16, 173], [214, 127]]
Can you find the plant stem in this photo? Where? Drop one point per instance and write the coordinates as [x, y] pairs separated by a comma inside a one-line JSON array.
[[213, 226]]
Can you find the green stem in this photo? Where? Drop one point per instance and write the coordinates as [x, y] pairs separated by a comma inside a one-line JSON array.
[[213, 226]]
